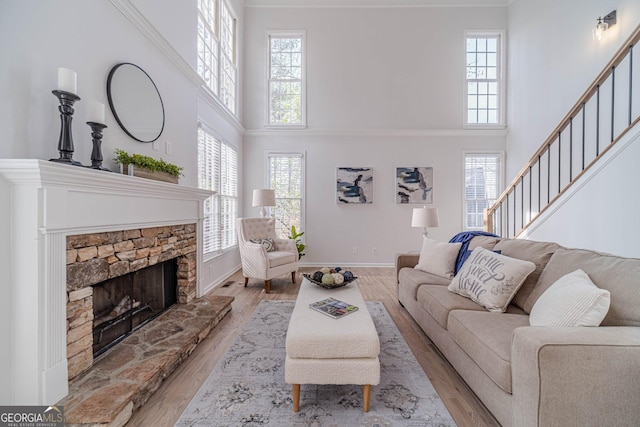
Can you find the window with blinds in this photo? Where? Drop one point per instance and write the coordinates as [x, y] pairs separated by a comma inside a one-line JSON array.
[[483, 181], [218, 171], [286, 176]]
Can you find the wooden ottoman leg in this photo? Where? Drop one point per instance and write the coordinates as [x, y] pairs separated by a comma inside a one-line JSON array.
[[296, 397], [366, 393]]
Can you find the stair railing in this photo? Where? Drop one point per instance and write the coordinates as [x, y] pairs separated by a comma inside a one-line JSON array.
[[608, 109]]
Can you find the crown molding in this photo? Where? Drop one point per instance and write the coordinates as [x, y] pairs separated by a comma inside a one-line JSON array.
[[388, 4], [374, 132]]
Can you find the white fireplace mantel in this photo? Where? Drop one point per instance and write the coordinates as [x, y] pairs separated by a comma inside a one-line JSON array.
[[41, 204]]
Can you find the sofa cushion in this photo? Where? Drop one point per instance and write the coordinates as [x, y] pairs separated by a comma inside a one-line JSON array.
[[538, 253], [486, 338], [573, 300], [277, 258], [438, 258], [491, 279], [616, 274], [414, 279], [439, 302], [487, 242]]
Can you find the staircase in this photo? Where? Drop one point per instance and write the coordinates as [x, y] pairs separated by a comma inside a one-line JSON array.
[[604, 115]]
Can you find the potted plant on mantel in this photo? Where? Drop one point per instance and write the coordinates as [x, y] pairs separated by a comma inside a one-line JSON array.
[[147, 167]]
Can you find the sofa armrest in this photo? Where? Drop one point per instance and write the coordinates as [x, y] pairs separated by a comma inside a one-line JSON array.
[[405, 260], [576, 376]]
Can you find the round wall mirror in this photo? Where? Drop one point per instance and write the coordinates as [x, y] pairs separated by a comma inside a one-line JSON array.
[[135, 102]]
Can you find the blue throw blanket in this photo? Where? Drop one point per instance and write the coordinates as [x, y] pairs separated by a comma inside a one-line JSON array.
[[464, 238]]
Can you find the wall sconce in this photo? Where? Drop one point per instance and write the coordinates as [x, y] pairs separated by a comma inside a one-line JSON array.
[[604, 22]]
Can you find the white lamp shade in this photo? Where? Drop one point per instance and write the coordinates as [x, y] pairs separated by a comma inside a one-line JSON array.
[[425, 217], [264, 197]]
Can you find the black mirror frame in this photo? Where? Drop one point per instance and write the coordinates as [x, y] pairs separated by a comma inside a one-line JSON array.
[[112, 107]]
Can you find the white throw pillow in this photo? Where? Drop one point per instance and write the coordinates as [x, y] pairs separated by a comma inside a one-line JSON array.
[[438, 258], [572, 300], [491, 279]]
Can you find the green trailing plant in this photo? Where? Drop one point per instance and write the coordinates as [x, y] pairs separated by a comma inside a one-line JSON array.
[[147, 162], [296, 237]]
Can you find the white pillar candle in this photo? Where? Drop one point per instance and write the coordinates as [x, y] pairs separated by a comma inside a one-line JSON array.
[[67, 80], [96, 112]]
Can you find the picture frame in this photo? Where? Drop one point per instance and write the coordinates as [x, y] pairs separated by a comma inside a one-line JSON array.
[[414, 185], [354, 185]]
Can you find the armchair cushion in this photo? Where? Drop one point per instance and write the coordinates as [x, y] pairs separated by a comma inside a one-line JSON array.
[[277, 258], [267, 243]]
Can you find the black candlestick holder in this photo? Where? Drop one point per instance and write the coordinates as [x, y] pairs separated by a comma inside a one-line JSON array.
[[65, 142], [96, 154]]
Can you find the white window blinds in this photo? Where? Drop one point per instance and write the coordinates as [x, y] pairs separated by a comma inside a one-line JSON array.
[[218, 171]]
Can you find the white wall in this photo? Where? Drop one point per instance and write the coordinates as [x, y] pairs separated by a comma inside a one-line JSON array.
[[385, 89], [90, 37], [552, 60]]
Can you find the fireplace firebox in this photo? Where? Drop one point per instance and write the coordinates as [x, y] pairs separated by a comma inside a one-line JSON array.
[[125, 303]]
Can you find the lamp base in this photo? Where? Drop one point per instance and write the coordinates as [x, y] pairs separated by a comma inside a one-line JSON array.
[[263, 212]]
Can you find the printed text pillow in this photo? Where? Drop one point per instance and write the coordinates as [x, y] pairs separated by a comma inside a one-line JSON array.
[[491, 279]]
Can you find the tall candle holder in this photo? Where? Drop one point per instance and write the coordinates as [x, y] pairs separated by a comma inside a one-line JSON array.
[[65, 142], [96, 154]]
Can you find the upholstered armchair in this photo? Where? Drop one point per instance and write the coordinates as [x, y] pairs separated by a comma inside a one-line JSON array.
[[263, 255]]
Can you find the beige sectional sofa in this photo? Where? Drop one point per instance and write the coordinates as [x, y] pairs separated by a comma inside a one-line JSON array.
[[538, 375]]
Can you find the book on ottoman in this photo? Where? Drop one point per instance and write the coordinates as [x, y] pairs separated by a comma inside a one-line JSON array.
[[333, 307]]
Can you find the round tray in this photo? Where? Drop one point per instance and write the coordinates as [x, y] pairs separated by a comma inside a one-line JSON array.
[[324, 285]]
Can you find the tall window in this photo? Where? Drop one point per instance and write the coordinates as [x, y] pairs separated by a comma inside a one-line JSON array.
[[286, 80], [228, 69], [208, 43], [483, 174], [218, 171], [484, 79], [286, 176], [217, 50]]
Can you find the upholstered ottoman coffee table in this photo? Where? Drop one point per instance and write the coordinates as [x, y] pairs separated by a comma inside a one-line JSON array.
[[323, 350]]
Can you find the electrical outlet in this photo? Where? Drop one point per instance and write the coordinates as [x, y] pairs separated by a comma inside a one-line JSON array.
[[156, 146], [168, 148], [374, 251], [355, 250]]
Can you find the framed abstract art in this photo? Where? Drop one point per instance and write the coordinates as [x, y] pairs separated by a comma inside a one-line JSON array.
[[414, 185], [354, 185]]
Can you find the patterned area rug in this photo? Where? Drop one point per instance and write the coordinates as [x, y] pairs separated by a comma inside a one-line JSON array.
[[247, 387]]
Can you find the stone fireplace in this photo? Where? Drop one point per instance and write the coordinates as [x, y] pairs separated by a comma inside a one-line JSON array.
[[62, 223], [118, 280]]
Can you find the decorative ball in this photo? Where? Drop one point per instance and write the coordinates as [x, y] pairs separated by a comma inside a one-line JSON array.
[[348, 275], [325, 270], [327, 279], [338, 278], [338, 269], [317, 276]]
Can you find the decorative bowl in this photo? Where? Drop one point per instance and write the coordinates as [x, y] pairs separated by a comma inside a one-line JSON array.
[[328, 286]]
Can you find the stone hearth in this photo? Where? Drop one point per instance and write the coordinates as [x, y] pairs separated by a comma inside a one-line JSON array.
[[94, 258], [122, 379]]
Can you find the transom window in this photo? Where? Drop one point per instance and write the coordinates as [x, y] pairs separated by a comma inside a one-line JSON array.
[[484, 80], [286, 98]]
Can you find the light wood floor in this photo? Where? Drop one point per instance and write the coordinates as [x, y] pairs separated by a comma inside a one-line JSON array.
[[377, 284]]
